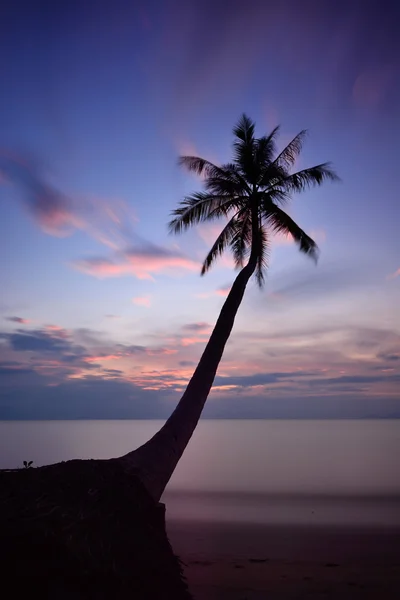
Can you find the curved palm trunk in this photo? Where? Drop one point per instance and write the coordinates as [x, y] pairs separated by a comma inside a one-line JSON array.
[[156, 460]]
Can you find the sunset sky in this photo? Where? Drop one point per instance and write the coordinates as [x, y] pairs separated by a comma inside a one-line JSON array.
[[103, 314]]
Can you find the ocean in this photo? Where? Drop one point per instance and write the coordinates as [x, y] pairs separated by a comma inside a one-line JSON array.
[[333, 472]]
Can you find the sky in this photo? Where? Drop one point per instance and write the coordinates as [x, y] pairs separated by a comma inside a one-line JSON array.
[[103, 314]]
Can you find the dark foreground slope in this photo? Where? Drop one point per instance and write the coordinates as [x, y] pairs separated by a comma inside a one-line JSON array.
[[84, 529]]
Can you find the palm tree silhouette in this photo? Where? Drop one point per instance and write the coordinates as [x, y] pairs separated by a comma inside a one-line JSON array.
[[250, 192]]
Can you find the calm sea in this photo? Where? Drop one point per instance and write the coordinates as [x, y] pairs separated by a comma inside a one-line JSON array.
[[305, 472]]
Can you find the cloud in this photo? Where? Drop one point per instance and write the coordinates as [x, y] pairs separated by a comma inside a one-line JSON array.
[[394, 275], [18, 370], [372, 86], [101, 357], [189, 341], [51, 209], [140, 262], [36, 341], [142, 301], [222, 291], [310, 282], [57, 331], [356, 379], [260, 378], [320, 363], [389, 357], [191, 333], [113, 398], [134, 350], [375, 339], [107, 221], [20, 320], [50, 350], [160, 350], [197, 327], [54, 353]]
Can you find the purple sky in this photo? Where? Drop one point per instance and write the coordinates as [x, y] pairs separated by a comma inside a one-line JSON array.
[[102, 313]]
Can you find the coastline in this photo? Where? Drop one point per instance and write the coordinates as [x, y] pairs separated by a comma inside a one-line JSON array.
[[241, 561]]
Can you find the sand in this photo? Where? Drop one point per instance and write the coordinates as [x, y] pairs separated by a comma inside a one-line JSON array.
[[233, 561]]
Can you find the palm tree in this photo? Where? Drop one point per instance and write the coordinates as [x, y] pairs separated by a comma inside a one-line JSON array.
[[250, 193]]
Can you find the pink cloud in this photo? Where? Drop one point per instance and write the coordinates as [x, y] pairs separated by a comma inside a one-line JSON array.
[[160, 351], [222, 291], [108, 221], [186, 148], [20, 320], [58, 221], [102, 268], [189, 341], [142, 301], [138, 263], [372, 86], [162, 379], [56, 331], [100, 358], [208, 232], [394, 275]]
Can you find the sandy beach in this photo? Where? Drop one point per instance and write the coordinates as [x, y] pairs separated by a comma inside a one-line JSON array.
[[234, 561]]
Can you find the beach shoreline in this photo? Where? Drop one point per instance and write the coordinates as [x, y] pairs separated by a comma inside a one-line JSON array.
[[238, 561]]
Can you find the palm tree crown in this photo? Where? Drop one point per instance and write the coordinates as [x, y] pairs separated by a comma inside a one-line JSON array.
[[250, 192]]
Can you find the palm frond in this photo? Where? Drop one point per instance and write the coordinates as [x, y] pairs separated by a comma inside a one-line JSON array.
[[262, 258], [220, 180], [244, 129], [279, 221], [241, 242], [220, 244], [198, 165], [265, 149], [288, 156], [243, 147], [306, 178], [236, 176], [223, 186], [272, 176], [199, 207], [276, 195]]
